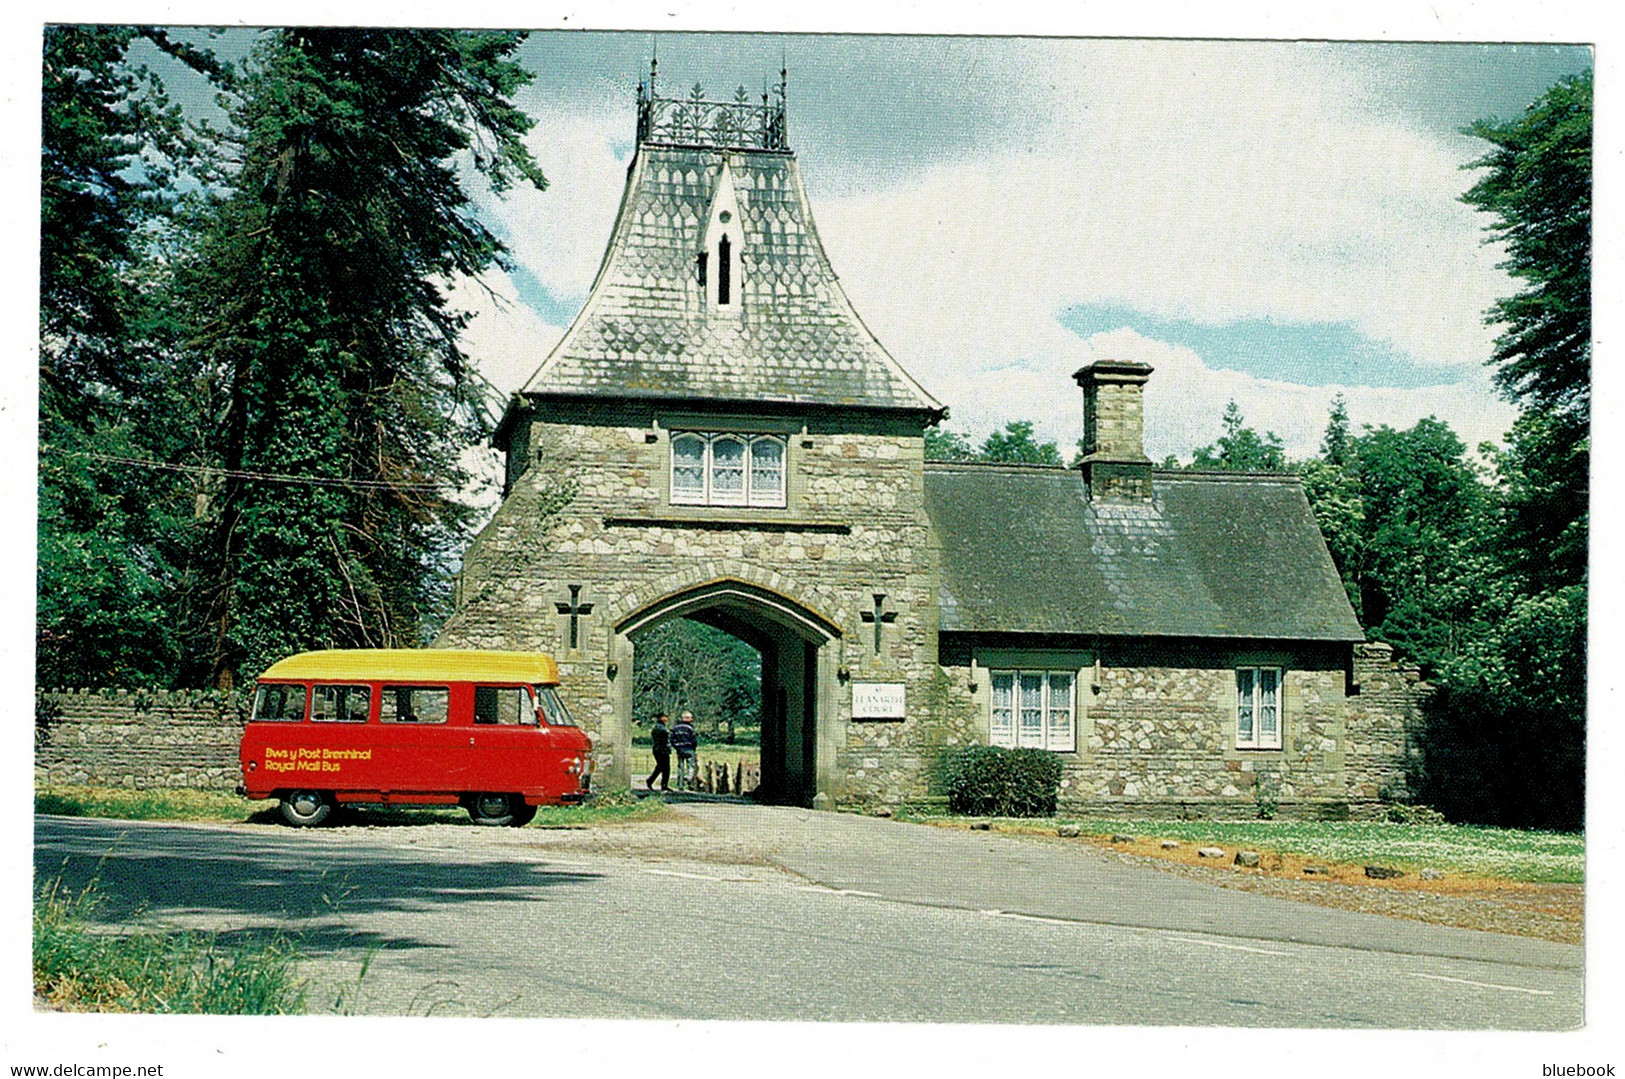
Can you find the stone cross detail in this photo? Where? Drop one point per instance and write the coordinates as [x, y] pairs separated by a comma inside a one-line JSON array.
[[575, 609], [878, 617]]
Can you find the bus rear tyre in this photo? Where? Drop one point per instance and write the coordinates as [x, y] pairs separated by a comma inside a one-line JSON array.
[[303, 809], [523, 813], [494, 810]]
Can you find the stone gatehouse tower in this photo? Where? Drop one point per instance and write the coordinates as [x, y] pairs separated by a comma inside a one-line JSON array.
[[718, 436]]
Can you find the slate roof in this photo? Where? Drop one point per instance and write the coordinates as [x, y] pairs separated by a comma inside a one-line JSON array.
[[1024, 550], [646, 330]]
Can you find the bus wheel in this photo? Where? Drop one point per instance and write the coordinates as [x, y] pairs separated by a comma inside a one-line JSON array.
[[492, 809], [305, 808], [523, 813]]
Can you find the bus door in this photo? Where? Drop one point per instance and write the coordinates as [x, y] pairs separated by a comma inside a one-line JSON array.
[[340, 743], [510, 746], [420, 749]]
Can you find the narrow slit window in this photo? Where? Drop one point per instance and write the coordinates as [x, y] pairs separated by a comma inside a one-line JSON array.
[[699, 266], [724, 268]]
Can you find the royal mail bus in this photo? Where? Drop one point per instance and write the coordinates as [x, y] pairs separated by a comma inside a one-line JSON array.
[[484, 730]]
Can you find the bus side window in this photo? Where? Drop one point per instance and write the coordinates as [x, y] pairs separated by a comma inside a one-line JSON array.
[[414, 704], [506, 705], [279, 704], [340, 704]]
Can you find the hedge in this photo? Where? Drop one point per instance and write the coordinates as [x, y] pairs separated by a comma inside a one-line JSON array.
[[992, 781]]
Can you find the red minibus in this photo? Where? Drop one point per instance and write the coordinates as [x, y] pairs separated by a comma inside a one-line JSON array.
[[484, 730]]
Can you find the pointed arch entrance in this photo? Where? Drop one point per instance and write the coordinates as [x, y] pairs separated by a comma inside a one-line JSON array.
[[799, 649]]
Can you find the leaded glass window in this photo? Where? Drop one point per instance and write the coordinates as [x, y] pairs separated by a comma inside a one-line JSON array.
[[727, 470]]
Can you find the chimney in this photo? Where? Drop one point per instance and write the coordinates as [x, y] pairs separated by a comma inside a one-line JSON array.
[[1115, 466]]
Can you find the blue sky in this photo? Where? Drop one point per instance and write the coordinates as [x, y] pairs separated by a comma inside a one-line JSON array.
[[1274, 222], [1269, 222]]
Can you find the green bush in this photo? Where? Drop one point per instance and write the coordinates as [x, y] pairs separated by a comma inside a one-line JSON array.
[[991, 781]]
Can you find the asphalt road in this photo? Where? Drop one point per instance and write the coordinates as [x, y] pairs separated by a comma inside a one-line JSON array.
[[848, 919]]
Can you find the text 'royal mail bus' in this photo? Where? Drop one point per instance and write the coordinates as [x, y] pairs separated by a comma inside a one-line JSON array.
[[484, 730]]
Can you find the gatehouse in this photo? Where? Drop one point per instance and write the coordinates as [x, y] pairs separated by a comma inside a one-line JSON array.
[[719, 437]]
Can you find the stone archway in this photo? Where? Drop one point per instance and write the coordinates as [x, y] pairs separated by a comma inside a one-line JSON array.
[[800, 657]]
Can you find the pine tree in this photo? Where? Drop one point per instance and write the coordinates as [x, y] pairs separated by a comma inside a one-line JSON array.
[[108, 524], [320, 290]]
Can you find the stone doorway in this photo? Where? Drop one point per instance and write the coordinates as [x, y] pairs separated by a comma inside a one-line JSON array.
[[798, 648]]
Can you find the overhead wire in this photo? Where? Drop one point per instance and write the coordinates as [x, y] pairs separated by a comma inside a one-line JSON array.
[[259, 477]]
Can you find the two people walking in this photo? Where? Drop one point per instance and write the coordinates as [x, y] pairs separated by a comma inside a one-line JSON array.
[[684, 741]]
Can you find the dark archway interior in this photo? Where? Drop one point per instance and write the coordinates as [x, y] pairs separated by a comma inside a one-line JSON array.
[[789, 709]]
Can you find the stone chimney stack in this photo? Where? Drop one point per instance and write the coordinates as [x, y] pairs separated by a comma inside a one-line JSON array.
[[1115, 466]]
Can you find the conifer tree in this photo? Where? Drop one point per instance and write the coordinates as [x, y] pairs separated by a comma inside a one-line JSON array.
[[320, 291], [108, 530]]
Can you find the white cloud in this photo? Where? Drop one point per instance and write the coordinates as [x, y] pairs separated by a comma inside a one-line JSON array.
[[559, 235], [1207, 181], [507, 340], [1200, 181]]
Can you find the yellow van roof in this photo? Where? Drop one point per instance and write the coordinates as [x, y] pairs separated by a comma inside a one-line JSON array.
[[417, 664]]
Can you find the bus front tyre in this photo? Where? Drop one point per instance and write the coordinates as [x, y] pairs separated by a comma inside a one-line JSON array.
[[303, 809], [493, 809]]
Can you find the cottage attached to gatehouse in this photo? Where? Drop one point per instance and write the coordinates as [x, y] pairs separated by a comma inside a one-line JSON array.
[[718, 436]]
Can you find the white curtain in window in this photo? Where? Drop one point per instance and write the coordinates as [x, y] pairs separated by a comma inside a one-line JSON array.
[[1031, 731], [766, 472], [1245, 731], [1003, 729], [727, 471], [688, 468], [1269, 707], [1058, 735]]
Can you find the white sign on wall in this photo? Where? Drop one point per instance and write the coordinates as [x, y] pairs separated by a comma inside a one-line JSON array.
[[878, 700]]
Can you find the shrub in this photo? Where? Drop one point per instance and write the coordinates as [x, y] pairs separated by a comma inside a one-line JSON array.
[[1403, 813], [997, 782]]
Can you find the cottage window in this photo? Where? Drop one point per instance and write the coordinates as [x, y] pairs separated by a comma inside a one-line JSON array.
[[1258, 708], [1033, 709], [727, 470]]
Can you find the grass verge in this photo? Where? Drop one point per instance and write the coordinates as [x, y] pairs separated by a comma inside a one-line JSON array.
[[122, 803], [1495, 853], [117, 803], [80, 968]]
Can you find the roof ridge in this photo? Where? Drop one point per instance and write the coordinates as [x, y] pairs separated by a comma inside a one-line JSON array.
[[1225, 475]]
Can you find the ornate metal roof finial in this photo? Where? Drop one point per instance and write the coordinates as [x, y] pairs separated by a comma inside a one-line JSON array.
[[694, 120]]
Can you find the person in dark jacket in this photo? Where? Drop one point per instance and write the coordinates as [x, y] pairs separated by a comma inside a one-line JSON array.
[[685, 742], [660, 741]]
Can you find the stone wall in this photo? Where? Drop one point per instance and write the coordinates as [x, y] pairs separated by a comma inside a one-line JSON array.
[[1382, 723], [593, 510], [1156, 729], [138, 738]]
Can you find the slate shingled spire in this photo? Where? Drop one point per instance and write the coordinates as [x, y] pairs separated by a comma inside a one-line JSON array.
[[714, 195]]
